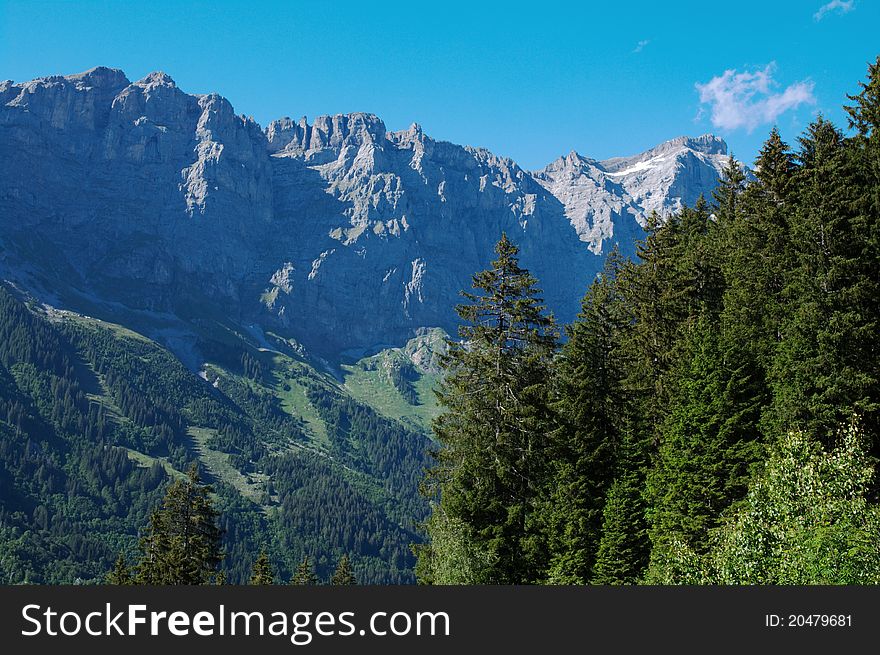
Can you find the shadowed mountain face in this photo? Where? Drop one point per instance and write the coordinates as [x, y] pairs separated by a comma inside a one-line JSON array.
[[338, 233]]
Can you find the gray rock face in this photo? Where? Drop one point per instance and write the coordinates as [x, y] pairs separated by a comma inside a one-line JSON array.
[[150, 194], [338, 233], [611, 199], [391, 227]]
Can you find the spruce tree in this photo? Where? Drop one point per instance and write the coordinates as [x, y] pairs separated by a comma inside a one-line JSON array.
[[730, 187], [864, 115], [774, 167], [344, 575], [624, 547], [492, 460], [121, 573], [755, 255], [708, 445], [675, 281], [305, 573], [182, 544], [822, 369], [863, 157], [590, 407], [261, 574]]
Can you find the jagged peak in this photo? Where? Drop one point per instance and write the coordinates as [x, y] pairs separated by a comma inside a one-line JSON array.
[[100, 76], [572, 161], [356, 118], [327, 131], [573, 157], [708, 144], [157, 78]]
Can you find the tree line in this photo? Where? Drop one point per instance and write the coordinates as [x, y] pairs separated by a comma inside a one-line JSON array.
[[711, 416]]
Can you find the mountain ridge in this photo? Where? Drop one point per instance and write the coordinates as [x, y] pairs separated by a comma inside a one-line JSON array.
[[160, 200]]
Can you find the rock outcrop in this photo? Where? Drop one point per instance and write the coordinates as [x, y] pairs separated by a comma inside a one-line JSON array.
[[611, 199], [339, 233]]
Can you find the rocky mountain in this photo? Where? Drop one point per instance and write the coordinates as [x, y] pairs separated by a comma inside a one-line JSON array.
[[611, 199], [339, 234]]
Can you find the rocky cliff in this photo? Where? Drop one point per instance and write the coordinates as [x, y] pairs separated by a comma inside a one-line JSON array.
[[339, 233]]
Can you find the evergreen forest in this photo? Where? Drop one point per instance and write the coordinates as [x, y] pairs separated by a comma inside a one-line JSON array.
[[711, 417]]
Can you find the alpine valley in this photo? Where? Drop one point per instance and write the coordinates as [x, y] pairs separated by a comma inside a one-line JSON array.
[[180, 284]]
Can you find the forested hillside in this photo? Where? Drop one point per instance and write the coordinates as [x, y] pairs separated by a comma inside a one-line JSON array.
[[96, 421], [712, 415]]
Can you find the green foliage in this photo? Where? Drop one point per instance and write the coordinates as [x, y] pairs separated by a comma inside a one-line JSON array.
[[590, 409], [743, 325], [707, 445], [806, 520], [182, 545], [739, 322], [261, 574], [305, 573], [823, 370], [68, 495], [94, 419], [343, 575], [623, 548], [121, 573], [493, 450]]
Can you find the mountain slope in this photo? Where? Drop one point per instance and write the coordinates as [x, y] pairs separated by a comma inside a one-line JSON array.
[[95, 420]]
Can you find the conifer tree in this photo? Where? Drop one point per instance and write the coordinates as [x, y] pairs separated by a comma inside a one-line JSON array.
[[708, 444], [675, 281], [819, 374], [864, 115], [624, 547], [774, 167], [491, 464], [344, 575], [730, 187], [755, 255], [121, 573], [182, 544], [305, 573], [590, 407], [261, 574], [863, 156]]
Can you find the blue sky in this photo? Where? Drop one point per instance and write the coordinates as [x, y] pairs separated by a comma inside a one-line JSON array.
[[530, 81]]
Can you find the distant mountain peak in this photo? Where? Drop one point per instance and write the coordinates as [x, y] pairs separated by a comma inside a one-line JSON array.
[[611, 199], [708, 144], [99, 76], [157, 78]]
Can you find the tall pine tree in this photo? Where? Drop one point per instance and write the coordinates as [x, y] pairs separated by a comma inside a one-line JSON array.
[[591, 407], [708, 445], [492, 461], [261, 574], [182, 544], [344, 574], [305, 573]]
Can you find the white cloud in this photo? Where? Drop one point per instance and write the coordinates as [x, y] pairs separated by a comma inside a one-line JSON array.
[[844, 6], [746, 100], [641, 45]]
